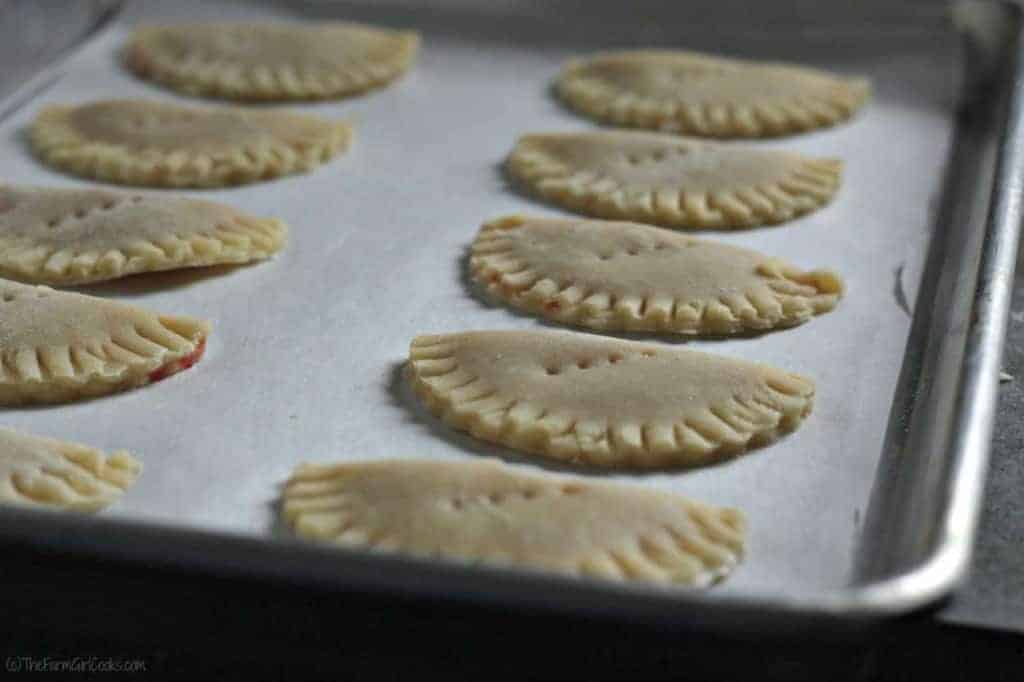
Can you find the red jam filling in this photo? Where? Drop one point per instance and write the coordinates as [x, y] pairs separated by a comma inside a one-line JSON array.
[[180, 364]]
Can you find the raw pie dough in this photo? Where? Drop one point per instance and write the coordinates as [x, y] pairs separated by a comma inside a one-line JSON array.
[[696, 94], [271, 61], [625, 276], [37, 471], [490, 512], [672, 181], [74, 236], [149, 143], [604, 402], [58, 346]]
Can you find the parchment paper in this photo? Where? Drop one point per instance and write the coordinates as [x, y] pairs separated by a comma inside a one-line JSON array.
[[305, 356]]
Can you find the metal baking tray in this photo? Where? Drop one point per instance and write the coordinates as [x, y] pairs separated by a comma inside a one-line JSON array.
[[867, 511]]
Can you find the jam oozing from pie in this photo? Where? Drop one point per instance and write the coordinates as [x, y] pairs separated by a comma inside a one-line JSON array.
[[180, 364]]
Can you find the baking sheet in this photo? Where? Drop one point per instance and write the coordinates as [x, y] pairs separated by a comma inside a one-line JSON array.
[[304, 362]]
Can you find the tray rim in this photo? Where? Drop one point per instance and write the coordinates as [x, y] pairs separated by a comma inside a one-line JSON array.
[[144, 544]]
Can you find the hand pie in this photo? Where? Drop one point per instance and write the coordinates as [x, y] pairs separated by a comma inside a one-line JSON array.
[[74, 236], [604, 402], [45, 472], [696, 94], [271, 61], [149, 143], [627, 277], [58, 346], [493, 513], [672, 181]]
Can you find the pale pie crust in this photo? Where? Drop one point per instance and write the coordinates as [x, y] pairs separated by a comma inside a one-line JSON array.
[[485, 511], [58, 346], [46, 472], [66, 237], [617, 276], [672, 181], [273, 61], [704, 95], [151, 143], [604, 402]]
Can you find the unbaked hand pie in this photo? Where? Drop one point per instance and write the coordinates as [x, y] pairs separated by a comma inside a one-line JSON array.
[[696, 94], [604, 402], [58, 346], [45, 472], [625, 276], [150, 143], [671, 181], [271, 61], [484, 511], [74, 236]]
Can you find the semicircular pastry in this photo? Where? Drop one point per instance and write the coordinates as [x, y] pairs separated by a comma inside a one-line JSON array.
[[75, 236], [57, 346], [45, 472], [272, 60], [604, 402], [707, 96], [617, 276], [490, 512], [150, 143], [671, 181]]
